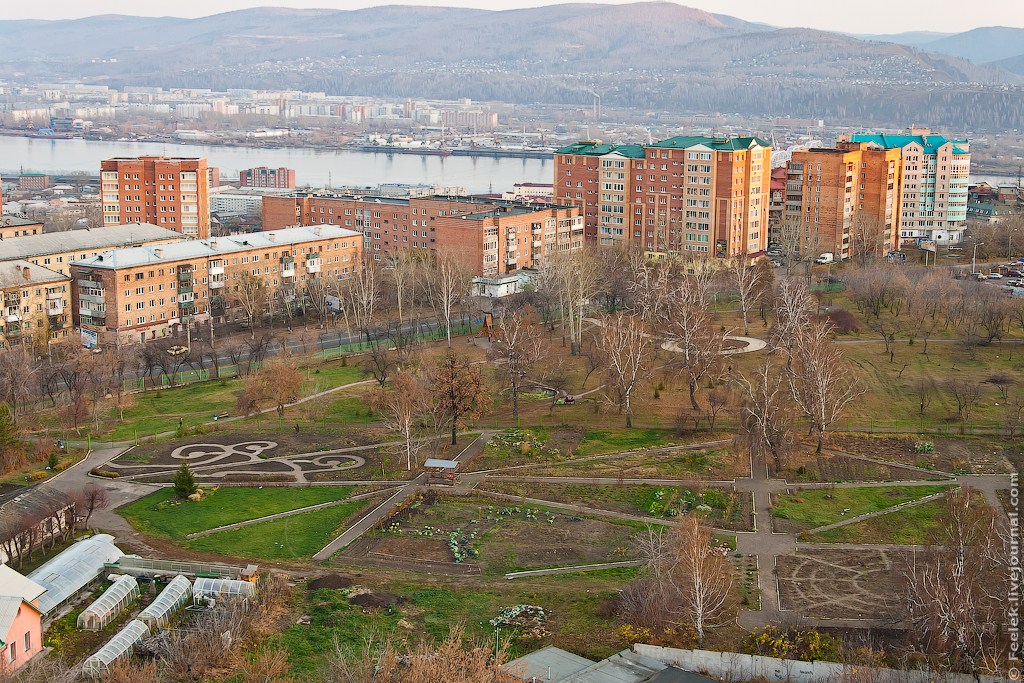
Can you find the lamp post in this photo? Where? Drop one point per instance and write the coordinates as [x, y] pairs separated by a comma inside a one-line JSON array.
[[974, 258]]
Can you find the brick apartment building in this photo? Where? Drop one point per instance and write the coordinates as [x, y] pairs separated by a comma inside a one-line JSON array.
[[34, 182], [263, 177], [150, 291], [495, 237], [833, 194], [935, 173], [686, 194], [35, 305], [169, 192], [56, 250]]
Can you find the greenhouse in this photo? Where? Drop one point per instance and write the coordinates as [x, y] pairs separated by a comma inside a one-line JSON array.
[[159, 612], [74, 569], [215, 588], [115, 599], [119, 646]]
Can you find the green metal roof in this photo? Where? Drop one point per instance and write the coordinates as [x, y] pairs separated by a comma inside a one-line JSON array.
[[597, 149], [930, 143], [720, 144]]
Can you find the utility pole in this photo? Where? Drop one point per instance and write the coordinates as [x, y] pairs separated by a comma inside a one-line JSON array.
[[974, 259]]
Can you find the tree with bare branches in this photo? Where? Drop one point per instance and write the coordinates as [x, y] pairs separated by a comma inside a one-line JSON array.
[[252, 296], [696, 342], [766, 416], [401, 406], [966, 393], [956, 587], [92, 497], [820, 380], [627, 351], [447, 283], [521, 347], [746, 277]]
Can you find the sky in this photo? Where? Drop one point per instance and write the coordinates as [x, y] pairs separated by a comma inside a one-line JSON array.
[[871, 16]]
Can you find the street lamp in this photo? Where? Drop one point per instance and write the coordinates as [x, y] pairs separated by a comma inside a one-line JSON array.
[[974, 259]]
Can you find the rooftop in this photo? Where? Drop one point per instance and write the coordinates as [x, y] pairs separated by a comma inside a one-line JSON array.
[[593, 148], [718, 144], [930, 143], [212, 248], [18, 273], [9, 221], [13, 584], [31, 246]]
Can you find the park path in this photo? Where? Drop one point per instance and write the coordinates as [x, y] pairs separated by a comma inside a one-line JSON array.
[[384, 510], [573, 569]]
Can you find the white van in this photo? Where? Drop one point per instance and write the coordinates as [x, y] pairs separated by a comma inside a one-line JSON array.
[[827, 257]]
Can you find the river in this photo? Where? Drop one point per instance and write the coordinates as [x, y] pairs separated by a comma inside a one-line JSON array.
[[314, 167]]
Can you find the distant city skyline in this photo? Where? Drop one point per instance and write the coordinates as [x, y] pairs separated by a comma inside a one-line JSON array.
[[870, 17]]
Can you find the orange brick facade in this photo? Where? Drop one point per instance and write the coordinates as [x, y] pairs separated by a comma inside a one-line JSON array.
[[170, 193], [477, 229]]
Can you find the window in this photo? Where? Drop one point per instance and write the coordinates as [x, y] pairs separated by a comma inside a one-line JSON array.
[[13, 651], [28, 641]]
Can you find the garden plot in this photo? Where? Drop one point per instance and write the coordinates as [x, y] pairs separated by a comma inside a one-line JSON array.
[[827, 583], [964, 455], [808, 466], [722, 507], [719, 463], [811, 508], [493, 538]]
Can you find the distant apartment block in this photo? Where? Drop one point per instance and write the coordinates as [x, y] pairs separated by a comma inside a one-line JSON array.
[[169, 192], [150, 291], [261, 176], [494, 237], [686, 194], [844, 199], [36, 303], [34, 182], [935, 178]]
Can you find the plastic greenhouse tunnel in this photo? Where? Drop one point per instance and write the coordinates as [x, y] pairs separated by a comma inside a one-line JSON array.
[[214, 588], [106, 607], [159, 612], [119, 646]]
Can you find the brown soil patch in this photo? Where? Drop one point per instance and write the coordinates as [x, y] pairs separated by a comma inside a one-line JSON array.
[[814, 467], [425, 549], [376, 600], [330, 581], [967, 455], [842, 584]]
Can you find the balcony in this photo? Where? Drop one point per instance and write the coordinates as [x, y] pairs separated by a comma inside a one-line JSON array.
[[13, 330], [54, 306], [287, 267], [186, 297], [186, 285], [313, 265], [216, 268], [216, 282], [511, 258], [12, 314], [537, 242]]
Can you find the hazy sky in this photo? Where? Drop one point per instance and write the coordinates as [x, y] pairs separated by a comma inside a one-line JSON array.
[[862, 16]]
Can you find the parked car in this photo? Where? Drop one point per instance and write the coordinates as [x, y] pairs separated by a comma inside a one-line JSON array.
[[995, 276], [979, 276], [776, 263], [827, 257], [774, 252], [1014, 273]]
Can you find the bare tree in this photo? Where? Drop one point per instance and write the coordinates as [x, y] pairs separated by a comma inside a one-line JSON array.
[[403, 274], [93, 497], [869, 238], [925, 390], [688, 578], [794, 308], [626, 348], [359, 296], [820, 380], [447, 284], [766, 413], [252, 295], [957, 585], [650, 284], [382, 358], [698, 345], [576, 275], [401, 407], [521, 348], [747, 279], [966, 393]]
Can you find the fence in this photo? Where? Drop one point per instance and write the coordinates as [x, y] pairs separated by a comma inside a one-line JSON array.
[[734, 666]]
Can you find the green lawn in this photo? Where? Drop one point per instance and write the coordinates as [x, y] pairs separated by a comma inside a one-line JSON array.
[[158, 410], [160, 514], [909, 526], [349, 409], [331, 374], [599, 442], [818, 507], [290, 538]]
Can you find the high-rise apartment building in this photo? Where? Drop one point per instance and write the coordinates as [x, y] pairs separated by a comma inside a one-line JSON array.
[[168, 192], [935, 177], [35, 305], [845, 199], [261, 176], [686, 194], [494, 236]]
